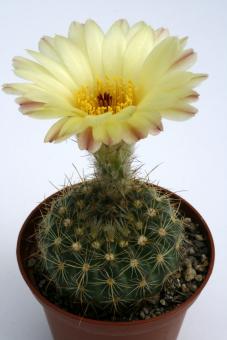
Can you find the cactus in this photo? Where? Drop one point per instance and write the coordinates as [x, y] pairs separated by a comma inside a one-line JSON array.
[[111, 241]]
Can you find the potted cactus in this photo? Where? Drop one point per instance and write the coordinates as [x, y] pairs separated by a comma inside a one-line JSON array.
[[112, 255]]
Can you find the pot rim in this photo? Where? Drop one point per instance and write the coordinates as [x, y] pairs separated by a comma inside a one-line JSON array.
[[167, 315]]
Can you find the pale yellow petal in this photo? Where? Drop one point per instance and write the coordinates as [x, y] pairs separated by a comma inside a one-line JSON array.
[[47, 48], [175, 79], [54, 131], [136, 52], [43, 111], [181, 111], [161, 34], [146, 122], [185, 60], [109, 130], [123, 25], [129, 134], [94, 40], [52, 98], [140, 124], [87, 142], [73, 126], [32, 71], [77, 35], [93, 120], [158, 62], [124, 114], [17, 88], [47, 114], [57, 70], [162, 99], [134, 29], [35, 93], [197, 78], [109, 133], [100, 133], [115, 132], [75, 61], [114, 44], [27, 105]]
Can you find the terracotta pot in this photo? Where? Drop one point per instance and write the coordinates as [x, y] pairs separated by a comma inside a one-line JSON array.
[[67, 326]]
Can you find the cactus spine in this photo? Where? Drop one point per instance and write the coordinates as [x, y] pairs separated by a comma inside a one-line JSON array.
[[112, 241]]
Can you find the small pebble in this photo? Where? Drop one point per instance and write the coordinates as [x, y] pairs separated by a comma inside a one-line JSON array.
[[178, 283], [189, 274], [193, 288], [163, 302], [187, 220], [199, 237], [199, 244], [191, 251], [184, 288], [200, 268], [199, 278]]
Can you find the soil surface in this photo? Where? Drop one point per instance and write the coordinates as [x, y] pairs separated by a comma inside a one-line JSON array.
[[176, 290]]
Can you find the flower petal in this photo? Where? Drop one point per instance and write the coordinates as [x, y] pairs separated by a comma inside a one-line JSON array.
[[114, 44], [130, 134], [181, 111], [77, 36], [94, 39], [57, 70], [160, 34], [197, 78], [54, 131], [75, 61], [185, 60], [47, 48], [134, 29], [114, 131], [27, 105], [87, 142], [30, 70], [143, 42], [158, 62], [73, 126], [151, 121], [17, 88]]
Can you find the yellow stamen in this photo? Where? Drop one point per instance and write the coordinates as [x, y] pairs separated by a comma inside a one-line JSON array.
[[107, 96]]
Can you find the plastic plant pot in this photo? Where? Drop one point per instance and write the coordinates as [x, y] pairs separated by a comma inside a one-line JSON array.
[[68, 326]]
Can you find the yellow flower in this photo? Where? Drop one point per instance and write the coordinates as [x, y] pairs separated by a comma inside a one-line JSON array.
[[107, 88]]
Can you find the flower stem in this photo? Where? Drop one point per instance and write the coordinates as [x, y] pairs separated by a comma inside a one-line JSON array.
[[113, 165]]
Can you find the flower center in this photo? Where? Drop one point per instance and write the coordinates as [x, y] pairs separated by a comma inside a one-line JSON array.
[[106, 96]]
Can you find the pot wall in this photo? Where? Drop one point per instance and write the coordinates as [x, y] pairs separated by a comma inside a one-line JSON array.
[[82, 330]]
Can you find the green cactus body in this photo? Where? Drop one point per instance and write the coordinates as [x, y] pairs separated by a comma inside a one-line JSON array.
[[111, 241]]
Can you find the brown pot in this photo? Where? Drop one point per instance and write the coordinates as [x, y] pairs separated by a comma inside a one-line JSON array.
[[67, 326]]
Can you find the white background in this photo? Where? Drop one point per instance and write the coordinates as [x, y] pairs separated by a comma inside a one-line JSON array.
[[193, 154]]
